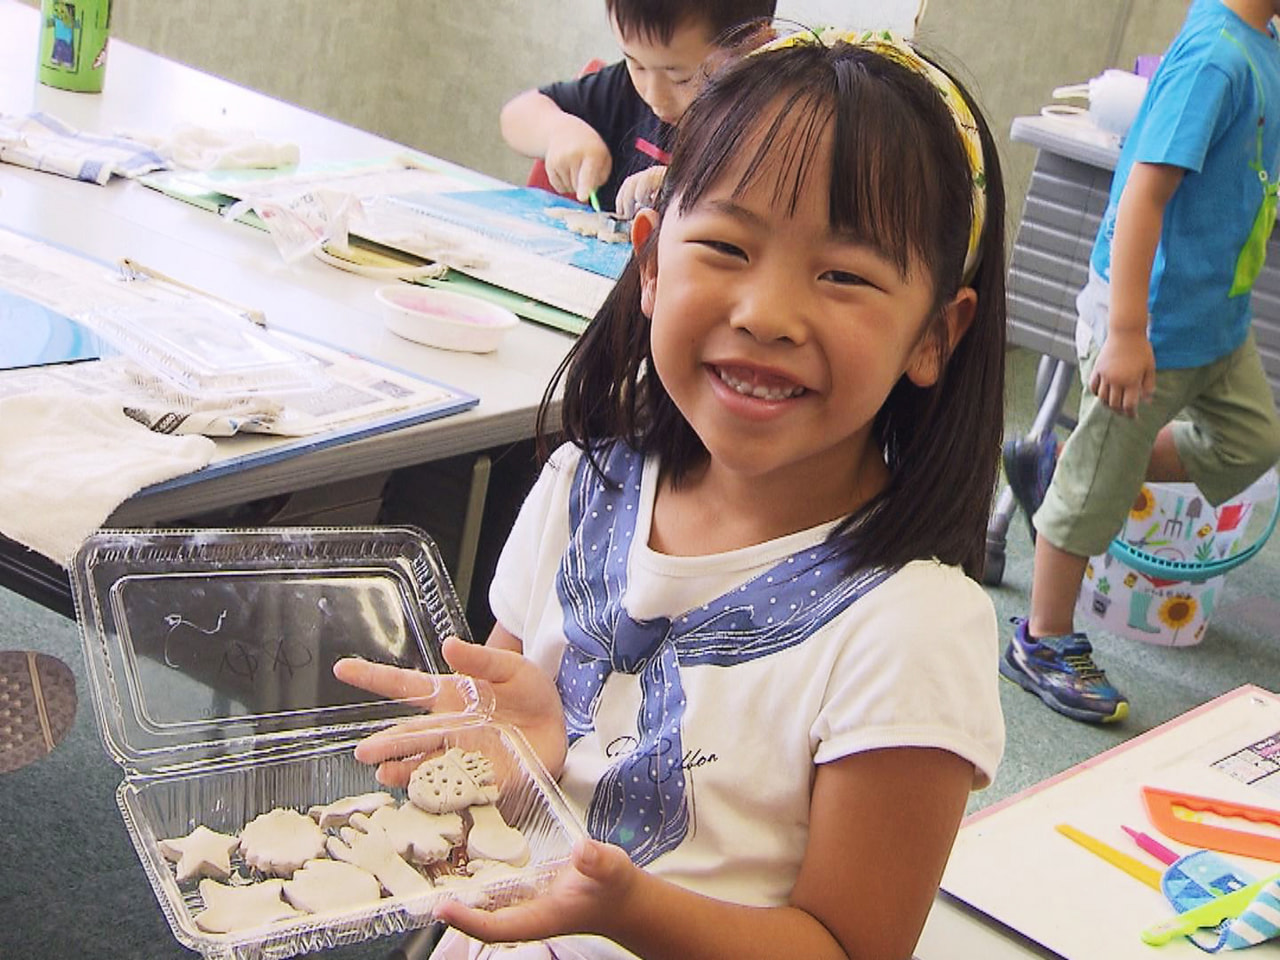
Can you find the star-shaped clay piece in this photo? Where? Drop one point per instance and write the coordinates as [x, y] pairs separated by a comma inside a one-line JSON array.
[[452, 782], [201, 853], [491, 839], [228, 909], [337, 814], [418, 836], [323, 885], [280, 841]]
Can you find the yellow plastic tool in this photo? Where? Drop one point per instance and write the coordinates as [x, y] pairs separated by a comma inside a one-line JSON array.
[[1135, 868]]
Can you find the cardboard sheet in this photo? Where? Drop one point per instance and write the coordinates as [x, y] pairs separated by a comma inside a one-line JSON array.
[[1012, 865]]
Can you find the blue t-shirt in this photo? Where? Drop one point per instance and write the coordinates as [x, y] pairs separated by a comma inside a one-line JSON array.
[[1218, 84]]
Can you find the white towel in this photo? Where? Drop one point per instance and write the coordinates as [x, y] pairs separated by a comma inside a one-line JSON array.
[[66, 462], [193, 147], [43, 142]]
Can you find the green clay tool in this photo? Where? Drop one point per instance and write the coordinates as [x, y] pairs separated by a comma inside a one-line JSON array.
[[1208, 915]]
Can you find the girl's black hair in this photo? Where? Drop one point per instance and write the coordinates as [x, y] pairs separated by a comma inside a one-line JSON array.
[[902, 182]]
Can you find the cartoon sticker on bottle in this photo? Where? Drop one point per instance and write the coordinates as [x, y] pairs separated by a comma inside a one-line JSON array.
[[66, 30]]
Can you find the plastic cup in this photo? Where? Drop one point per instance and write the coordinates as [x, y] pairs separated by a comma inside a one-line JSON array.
[[73, 44]]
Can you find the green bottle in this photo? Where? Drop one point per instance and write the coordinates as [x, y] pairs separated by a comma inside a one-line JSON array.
[[73, 43]]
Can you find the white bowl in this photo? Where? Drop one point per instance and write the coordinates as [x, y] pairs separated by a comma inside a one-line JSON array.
[[441, 318]]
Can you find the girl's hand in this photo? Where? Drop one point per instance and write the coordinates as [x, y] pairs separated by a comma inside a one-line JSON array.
[[639, 190], [589, 891], [1124, 374], [577, 160], [524, 697]]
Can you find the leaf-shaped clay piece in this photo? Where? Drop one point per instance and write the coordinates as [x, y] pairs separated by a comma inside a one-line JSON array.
[[337, 814], [323, 885]]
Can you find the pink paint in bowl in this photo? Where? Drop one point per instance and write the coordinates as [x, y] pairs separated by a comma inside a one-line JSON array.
[[444, 319]]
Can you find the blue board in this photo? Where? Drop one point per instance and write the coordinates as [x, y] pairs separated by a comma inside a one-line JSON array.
[[518, 216], [32, 335]]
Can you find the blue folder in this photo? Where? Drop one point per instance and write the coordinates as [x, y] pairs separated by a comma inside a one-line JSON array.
[[33, 335]]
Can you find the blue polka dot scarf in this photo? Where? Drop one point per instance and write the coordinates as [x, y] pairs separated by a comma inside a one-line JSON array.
[[640, 803]]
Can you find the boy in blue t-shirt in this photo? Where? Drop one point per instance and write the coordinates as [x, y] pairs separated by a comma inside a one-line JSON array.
[[596, 132], [1164, 328]]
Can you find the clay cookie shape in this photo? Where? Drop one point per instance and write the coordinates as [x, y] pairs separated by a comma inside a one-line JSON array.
[[323, 885], [479, 872], [418, 836], [228, 909], [337, 814], [452, 782], [201, 853], [280, 841], [367, 845], [491, 839]]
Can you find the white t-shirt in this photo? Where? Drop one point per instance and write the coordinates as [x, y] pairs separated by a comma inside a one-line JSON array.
[[912, 662]]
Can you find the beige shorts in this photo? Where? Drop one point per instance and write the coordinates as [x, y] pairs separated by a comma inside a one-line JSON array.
[[1228, 435]]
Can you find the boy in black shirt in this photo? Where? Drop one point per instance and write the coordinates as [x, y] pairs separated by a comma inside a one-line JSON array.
[[609, 131]]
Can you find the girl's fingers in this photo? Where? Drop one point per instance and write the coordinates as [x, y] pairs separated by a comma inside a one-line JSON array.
[[602, 862], [504, 925], [415, 737], [396, 773], [481, 662], [396, 683]]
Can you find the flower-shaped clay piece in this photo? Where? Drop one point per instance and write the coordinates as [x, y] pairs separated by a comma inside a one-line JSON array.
[[201, 853], [280, 841]]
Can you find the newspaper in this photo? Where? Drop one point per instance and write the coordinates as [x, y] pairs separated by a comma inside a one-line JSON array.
[[352, 390], [311, 208], [342, 390]]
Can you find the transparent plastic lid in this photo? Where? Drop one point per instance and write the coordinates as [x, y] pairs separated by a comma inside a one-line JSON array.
[[209, 646], [204, 351]]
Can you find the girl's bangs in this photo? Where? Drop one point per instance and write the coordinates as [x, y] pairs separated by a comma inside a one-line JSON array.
[[892, 138]]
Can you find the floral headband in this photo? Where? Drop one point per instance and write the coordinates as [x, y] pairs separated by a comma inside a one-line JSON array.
[[896, 48]]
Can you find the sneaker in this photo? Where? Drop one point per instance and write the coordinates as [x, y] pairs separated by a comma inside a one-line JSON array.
[[37, 706], [1028, 468], [1061, 672]]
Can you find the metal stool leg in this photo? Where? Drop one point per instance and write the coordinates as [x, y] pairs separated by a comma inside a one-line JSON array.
[[1053, 383]]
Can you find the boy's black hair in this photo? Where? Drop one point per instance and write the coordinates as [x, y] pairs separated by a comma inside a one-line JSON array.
[[907, 190], [658, 19]]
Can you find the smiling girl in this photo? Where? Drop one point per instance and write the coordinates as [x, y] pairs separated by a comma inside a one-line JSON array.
[[738, 615]]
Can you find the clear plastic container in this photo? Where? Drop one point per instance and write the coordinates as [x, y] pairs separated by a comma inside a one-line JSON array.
[[208, 353], [210, 657]]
